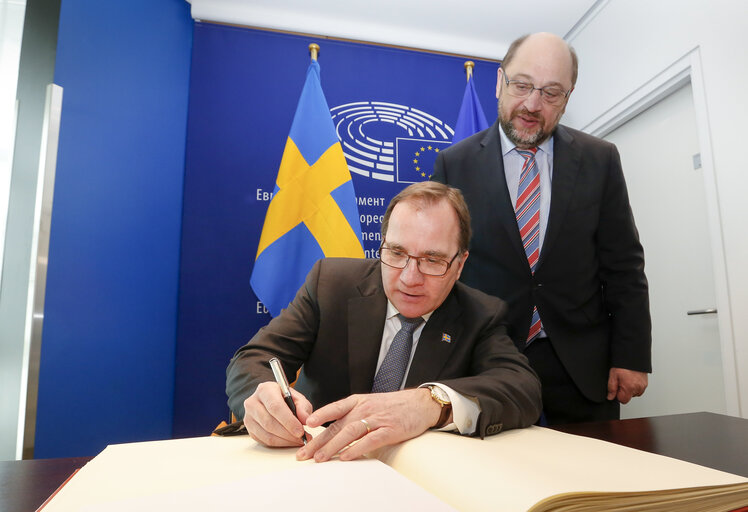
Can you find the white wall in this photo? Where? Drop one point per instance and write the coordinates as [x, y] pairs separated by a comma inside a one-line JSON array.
[[628, 42], [11, 349], [469, 27], [11, 32]]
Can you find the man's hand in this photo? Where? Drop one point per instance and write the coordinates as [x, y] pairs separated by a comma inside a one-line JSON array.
[[268, 419], [389, 418], [626, 384]]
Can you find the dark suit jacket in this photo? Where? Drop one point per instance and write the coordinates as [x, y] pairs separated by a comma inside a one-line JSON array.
[[334, 329], [589, 283]]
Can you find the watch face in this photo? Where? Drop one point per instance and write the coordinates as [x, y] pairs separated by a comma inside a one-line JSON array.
[[440, 395]]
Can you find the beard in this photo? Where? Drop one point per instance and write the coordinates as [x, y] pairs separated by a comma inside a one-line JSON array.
[[529, 140]]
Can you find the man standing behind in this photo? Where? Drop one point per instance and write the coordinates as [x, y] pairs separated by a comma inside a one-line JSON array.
[[555, 238], [388, 348]]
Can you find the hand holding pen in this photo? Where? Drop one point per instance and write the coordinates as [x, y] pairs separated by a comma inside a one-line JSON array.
[[268, 415], [280, 378]]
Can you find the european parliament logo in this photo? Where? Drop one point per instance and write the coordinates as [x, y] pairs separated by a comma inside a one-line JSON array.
[[390, 142]]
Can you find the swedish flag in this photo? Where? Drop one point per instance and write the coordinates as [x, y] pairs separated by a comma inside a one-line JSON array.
[[313, 212]]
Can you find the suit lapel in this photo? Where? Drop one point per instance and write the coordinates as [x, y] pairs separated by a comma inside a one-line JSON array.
[[366, 316], [439, 337], [566, 162], [497, 188]]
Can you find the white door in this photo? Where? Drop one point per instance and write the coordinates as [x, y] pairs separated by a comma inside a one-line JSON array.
[[668, 199]]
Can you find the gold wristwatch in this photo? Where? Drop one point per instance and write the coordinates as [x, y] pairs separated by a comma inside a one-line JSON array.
[[439, 396]]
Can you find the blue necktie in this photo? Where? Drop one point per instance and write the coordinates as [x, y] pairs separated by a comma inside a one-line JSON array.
[[392, 372]]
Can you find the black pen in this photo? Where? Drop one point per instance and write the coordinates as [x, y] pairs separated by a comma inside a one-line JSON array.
[[280, 378]]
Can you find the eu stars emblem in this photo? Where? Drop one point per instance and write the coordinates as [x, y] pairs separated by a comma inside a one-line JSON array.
[[416, 157]]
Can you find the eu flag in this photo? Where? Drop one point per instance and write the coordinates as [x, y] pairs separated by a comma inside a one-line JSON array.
[[313, 212], [416, 157], [471, 118]]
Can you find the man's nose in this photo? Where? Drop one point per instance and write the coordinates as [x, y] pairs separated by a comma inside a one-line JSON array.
[[534, 101], [410, 274]]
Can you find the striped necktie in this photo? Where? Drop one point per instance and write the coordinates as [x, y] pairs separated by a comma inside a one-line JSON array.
[[392, 372], [527, 211]]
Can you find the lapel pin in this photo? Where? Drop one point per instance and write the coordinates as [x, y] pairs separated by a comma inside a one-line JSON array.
[[446, 337]]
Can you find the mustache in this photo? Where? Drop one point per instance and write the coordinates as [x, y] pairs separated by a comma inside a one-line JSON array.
[[526, 113]]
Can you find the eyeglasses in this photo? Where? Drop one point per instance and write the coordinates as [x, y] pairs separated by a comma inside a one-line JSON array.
[[550, 94], [427, 265]]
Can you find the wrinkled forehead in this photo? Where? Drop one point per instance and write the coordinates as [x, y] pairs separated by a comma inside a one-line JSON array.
[[424, 227]]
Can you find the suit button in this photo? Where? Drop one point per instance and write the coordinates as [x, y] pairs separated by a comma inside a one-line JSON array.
[[494, 429]]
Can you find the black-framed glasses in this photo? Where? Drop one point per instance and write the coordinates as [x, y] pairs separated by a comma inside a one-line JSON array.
[[550, 94], [427, 265]]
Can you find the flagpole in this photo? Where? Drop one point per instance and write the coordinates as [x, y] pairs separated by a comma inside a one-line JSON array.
[[314, 50], [469, 64]]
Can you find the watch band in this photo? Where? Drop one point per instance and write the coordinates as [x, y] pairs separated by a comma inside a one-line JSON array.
[[445, 404]]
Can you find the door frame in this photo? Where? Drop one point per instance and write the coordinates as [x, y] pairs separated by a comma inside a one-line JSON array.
[[688, 69]]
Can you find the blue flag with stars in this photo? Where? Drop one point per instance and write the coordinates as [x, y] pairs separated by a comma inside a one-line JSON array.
[[416, 157], [471, 118]]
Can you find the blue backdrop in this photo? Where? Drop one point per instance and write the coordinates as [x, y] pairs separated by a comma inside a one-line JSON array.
[[108, 346], [394, 109]]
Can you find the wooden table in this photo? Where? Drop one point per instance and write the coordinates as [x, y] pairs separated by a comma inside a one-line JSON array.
[[712, 440], [707, 439], [25, 484]]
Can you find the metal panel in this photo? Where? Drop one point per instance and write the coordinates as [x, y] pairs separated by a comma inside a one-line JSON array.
[[38, 270]]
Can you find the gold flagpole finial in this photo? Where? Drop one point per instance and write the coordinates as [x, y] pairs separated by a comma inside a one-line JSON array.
[[469, 64], [314, 50]]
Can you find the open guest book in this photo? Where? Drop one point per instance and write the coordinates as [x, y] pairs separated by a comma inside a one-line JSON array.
[[535, 469]]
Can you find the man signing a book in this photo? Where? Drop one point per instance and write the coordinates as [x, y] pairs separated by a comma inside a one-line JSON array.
[[388, 348]]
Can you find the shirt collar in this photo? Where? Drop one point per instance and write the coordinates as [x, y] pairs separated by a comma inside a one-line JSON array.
[[392, 312]]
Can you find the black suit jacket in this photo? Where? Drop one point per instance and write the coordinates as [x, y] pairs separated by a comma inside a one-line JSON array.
[[589, 283], [333, 331]]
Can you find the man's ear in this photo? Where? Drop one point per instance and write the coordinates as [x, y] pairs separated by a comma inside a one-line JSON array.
[[463, 258], [566, 101], [499, 79]]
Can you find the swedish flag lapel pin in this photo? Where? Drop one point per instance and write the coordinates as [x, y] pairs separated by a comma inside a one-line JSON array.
[[446, 338]]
